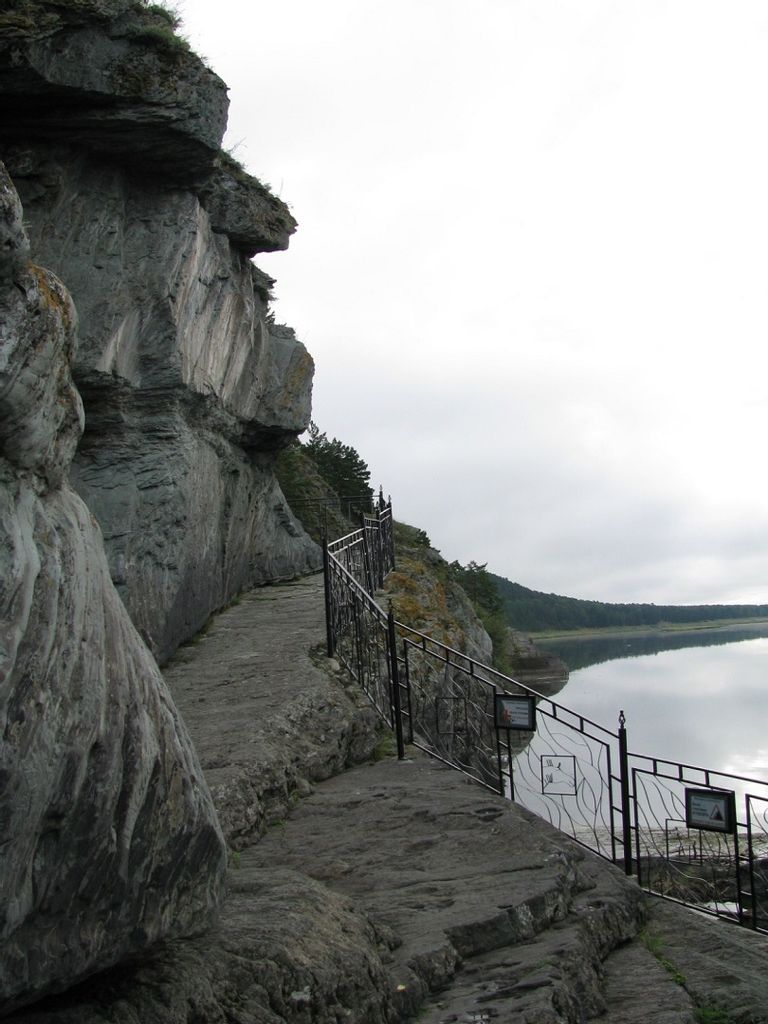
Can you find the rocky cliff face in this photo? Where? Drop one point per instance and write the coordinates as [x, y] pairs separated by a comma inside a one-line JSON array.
[[111, 132], [109, 837], [112, 139]]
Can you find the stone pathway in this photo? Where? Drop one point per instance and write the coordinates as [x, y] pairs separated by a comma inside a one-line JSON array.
[[393, 889], [455, 878], [266, 711]]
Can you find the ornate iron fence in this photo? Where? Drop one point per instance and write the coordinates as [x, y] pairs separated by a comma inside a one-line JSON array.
[[722, 867], [566, 769], [349, 506], [358, 630], [689, 834]]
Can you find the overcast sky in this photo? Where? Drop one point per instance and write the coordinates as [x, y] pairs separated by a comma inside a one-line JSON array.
[[531, 267]]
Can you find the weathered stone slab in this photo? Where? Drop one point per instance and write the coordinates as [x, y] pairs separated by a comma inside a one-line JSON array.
[[267, 718], [720, 966], [463, 877], [323, 924], [287, 949], [639, 990]]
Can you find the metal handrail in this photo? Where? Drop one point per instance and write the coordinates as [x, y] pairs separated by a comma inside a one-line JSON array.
[[400, 676], [424, 637]]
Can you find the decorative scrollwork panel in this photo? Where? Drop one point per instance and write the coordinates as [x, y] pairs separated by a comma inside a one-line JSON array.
[[563, 774], [451, 712]]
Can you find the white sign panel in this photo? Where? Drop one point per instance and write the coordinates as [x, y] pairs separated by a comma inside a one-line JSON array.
[[515, 712], [709, 809]]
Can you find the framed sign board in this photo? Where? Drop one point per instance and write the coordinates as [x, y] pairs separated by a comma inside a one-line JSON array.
[[514, 712], [711, 810]]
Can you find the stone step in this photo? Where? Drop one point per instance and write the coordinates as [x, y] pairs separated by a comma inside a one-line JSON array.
[[488, 909], [552, 977], [687, 967], [721, 966], [639, 990]]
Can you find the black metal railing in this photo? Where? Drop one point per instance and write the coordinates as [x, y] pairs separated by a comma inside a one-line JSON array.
[[566, 770], [724, 872], [628, 808], [358, 630], [331, 515]]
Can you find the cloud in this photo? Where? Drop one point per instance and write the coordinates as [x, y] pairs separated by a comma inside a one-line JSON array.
[[530, 267]]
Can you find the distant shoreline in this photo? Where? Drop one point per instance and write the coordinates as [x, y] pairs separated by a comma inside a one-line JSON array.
[[662, 629]]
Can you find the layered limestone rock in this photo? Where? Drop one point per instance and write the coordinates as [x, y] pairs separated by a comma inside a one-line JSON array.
[[109, 838], [189, 389], [110, 76]]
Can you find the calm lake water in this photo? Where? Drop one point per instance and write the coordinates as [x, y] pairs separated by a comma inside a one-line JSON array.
[[704, 705]]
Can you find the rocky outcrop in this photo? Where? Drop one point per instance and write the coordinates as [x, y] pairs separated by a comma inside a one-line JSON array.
[[112, 77], [395, 892], [109, 837], [423, 595], [245, 210], [190, 390], [545, 673], [451, 696], [288, 950]]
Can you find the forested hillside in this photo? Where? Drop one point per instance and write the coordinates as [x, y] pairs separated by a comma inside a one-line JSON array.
[[532, 610], [327, 484]]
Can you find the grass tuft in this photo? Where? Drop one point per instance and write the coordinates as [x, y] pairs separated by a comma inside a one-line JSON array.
[[169, 15], [704, 1014], [162, 37], [385, 747]]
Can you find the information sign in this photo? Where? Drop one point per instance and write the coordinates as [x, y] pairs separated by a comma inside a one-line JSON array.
[[514, 712], [712, 810]]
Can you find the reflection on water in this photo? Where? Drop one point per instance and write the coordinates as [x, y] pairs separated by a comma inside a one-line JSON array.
[[581, 652], [704, 704]]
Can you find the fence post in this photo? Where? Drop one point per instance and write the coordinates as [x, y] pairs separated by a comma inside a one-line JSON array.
[[391, 567], [370, 582], [395, 678], [379, 552], [626, 820], [499, 764], [329, 637]]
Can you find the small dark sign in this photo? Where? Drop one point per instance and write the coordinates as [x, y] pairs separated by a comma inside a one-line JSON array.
[[515, 712], [712, 810]]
